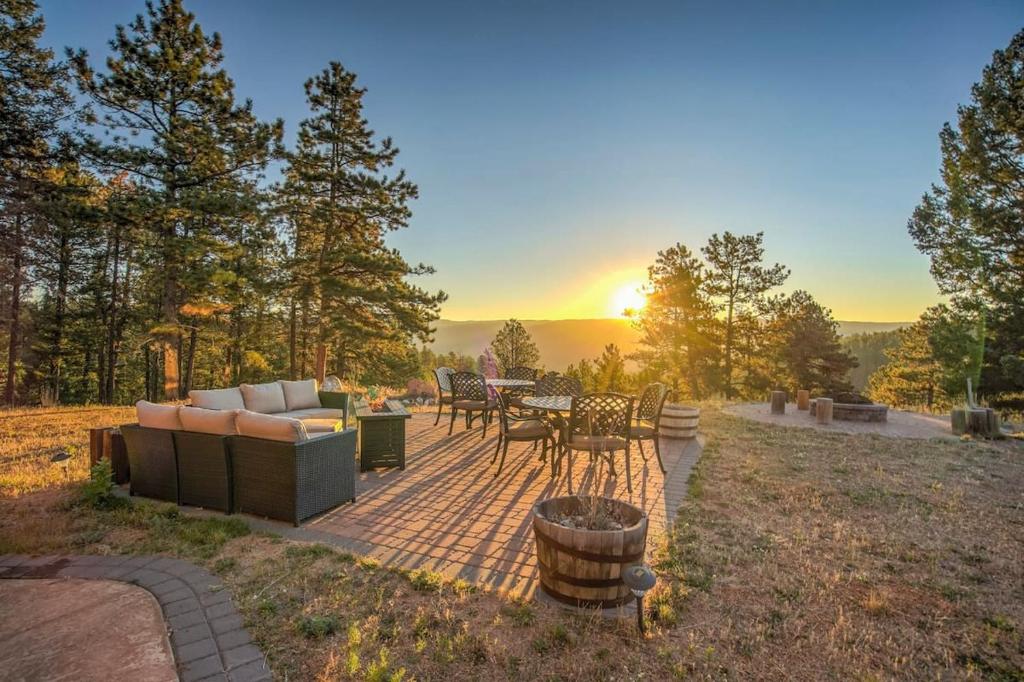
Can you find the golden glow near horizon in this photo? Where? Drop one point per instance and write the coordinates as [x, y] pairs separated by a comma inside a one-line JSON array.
[[629, 298]]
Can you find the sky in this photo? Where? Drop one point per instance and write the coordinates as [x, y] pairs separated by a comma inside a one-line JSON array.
[[559, 145]]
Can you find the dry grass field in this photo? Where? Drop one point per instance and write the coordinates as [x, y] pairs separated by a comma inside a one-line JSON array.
[[799, 555]]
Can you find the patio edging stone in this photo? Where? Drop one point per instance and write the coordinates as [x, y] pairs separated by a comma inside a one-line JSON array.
[[207, 637]]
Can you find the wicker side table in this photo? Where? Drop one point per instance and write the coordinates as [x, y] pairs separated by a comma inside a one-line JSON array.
[[381, 435]]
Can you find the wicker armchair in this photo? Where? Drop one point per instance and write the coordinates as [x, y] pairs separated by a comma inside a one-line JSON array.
[[204, 470], [444, 389], [152, 462], [293, 481], [647, 419], [469, 394], [521, 429], [599, 423]]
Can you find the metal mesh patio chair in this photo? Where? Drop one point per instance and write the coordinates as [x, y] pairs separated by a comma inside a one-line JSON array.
[[444, 389], [558, 384], [646, 421], [521, 429], [599, 423], [469, 394]]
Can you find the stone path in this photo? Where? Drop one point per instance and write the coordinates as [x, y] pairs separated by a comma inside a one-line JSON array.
[[447, 511], [206, 632], [900, 424]]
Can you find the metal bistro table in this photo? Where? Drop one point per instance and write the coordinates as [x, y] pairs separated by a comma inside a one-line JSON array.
[[557, 404], [382, 435]]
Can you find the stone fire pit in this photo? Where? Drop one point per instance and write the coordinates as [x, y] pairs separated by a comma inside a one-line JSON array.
[[855, 412]]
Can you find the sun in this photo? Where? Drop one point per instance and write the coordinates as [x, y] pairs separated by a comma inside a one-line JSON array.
[[628, 298]]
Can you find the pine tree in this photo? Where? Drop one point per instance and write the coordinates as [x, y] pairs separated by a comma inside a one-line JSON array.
[[34, 103], [932, 362], [736, 276], [180, 135], [346, 283], [514, 347], [806, 346], [677, 325], [972, 224]]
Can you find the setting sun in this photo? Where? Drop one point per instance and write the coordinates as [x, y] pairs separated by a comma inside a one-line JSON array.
[[628, 297]]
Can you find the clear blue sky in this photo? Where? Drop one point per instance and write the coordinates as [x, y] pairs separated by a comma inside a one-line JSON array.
[[559, 145]]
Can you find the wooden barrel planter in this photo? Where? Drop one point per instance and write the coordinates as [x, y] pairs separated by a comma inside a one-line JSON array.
[[678, 421], [583, 568]]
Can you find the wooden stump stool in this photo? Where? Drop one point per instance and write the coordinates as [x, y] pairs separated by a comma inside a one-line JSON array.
[[823, 410], [803, 399], [778, 402], [108, 443]]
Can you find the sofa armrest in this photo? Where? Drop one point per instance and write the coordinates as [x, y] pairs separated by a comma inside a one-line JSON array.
[[336, 400]]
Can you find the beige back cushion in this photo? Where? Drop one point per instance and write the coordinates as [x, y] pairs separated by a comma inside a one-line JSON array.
[[219, 422], [264, 398], [270, 427], [300, 395], [156, 416], [218, 399]]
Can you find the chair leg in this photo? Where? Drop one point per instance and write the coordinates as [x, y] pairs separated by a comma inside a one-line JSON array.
[[496, 448], [568, 478], [657, 451], [451, 424], [543, 452], [535, 445], [504, 451], [439, 406], [640, 444], [629, 477], [485, 417]]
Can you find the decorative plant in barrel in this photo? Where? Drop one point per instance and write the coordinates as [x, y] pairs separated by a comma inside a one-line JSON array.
[[585, 543]]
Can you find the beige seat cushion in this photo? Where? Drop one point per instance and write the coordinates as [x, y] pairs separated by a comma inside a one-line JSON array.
[[597, 443], [155, 416], [218, 422], [300, 395], [218, 399], [533, 428], [473, 404], [269, 427], [314, 413], [321, 425], [264, 398]]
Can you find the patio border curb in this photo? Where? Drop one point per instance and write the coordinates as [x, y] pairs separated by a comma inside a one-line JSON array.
[[206, 633]]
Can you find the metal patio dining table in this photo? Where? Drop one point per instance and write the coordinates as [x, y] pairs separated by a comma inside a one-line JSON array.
[[511, 383]]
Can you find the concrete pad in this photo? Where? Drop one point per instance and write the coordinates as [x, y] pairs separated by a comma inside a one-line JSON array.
[[900, 424], [82, 630]]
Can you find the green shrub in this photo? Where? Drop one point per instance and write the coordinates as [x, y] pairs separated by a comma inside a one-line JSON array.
[[316, 627], [98, 491]]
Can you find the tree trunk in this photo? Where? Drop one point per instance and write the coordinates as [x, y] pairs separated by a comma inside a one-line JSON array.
[[60, 307], [193, 337], [292, 340], [14, 341], [321, 363], [728, 349]]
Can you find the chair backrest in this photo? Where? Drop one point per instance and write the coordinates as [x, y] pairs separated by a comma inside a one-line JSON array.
[[601, 414], [556, 384], [502, 402], [651, 400], [468, 386], [527, 373], [444, 382]]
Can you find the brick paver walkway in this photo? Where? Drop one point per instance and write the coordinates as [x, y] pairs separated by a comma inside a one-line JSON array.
[[448, 512]]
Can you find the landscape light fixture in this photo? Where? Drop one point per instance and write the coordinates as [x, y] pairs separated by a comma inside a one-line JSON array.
[[639, 579], [62, 457]]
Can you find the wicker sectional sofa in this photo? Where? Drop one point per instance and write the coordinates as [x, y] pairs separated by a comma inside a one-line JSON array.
[[289, 465]]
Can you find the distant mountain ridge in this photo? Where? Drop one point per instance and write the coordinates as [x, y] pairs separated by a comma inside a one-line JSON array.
[[562, 342]]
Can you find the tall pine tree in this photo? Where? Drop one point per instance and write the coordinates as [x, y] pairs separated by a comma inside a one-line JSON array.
[[179, 134], [350, 291]]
